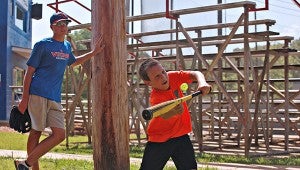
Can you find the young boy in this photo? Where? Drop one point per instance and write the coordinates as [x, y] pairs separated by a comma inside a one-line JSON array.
[[168, 134]]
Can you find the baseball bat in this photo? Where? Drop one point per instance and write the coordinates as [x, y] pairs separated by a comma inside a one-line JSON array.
[[166, 106]]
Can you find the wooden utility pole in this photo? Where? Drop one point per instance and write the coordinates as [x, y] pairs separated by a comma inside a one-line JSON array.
[[109, 88]]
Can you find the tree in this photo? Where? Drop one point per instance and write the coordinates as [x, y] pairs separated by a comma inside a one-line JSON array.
[[82, 34], [296, 44], [279, 73]]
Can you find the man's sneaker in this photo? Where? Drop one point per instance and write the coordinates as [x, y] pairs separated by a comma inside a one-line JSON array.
[[20, 165]]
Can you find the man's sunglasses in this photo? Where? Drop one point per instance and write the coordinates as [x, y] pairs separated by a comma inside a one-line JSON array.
[[61, 23]]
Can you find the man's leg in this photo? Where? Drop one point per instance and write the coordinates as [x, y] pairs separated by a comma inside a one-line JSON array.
[[33, 141], [57, 136], [44, 113]]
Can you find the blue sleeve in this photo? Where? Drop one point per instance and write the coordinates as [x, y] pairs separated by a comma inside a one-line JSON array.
[[36, 55], [72, 59]]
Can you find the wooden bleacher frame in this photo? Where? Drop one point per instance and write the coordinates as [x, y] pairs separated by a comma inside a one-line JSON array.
[[220, 113]]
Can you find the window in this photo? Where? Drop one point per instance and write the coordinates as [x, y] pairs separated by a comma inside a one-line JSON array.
[[17, 90], [20, 18], [18, 76]]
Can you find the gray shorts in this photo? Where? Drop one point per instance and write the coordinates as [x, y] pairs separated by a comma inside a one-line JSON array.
[[45, 113]]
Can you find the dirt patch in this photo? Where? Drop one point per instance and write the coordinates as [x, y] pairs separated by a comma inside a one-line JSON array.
[[6, 129]]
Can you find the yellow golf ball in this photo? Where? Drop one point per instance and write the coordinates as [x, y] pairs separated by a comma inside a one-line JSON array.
[[184, 86]]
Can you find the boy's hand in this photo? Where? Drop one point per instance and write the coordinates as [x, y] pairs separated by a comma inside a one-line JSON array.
[[176, 110], [205, 89]]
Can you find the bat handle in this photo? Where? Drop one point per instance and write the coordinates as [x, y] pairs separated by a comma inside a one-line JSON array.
[[147, 115], [196, 93]]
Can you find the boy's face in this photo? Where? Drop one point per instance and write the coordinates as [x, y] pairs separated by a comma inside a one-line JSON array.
[[158, 78]]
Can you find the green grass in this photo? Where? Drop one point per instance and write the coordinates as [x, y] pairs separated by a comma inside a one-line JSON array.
[[290, 161], [78, 145], [13, 141], [67, 164], [56, 164]]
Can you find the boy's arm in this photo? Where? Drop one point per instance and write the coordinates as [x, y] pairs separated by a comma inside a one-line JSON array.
[[202, 84]]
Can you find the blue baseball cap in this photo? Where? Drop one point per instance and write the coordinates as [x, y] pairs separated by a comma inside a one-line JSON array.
[[60, 16]]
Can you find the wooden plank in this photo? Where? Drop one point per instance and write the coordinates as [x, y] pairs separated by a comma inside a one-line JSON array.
[[192, 10], [258, 53], [203, 39], [80, 26], [208, 43], [204, 27]]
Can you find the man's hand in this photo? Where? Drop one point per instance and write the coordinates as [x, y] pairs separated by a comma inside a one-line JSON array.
[[99, 46], [176, 110], [22, 106]]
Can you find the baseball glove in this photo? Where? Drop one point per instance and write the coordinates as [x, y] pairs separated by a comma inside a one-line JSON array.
[[18, 121]]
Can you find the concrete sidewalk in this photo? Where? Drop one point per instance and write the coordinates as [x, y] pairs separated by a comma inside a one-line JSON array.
[[220, 166]]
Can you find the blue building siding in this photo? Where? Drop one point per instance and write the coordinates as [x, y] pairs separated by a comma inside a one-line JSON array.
[[13, 36], [3, 59]]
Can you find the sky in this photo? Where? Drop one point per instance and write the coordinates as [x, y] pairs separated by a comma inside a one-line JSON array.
[[41, 28], [285, 12]]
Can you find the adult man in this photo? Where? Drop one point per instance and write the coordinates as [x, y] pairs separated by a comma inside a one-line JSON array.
[[42, 89]]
